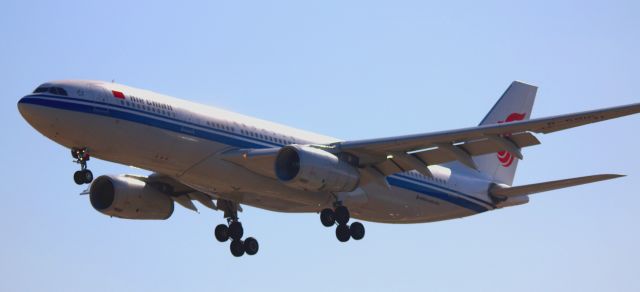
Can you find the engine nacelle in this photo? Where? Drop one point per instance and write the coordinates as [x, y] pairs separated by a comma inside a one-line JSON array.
[[129, 198], [313, 169]]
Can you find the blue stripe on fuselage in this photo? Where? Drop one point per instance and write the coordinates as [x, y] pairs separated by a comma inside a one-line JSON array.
[[106, 107], [228, 138], [150, 121], [431, 185], [462, 202]]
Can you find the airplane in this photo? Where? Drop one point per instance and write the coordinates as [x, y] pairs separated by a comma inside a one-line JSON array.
[[224, 160]]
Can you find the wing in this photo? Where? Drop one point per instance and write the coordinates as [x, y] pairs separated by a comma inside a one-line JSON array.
[[402, 153]]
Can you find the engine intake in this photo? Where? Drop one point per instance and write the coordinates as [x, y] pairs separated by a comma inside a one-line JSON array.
[[313, 169], [129, 198]]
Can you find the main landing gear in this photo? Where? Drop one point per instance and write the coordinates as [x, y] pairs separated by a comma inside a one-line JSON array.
[[81, 156], [344, 231], [233, 230]]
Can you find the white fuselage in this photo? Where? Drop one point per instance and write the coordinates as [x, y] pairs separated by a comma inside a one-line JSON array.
[[184, 140]]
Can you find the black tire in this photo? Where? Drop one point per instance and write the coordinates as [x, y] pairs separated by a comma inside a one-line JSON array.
[[251, 246], [87, 176], [222, 233], [74, 154], [357, 230], [77, 177], [342, 215], [235, 230], [237, 248], [327, 217], [342, 232]]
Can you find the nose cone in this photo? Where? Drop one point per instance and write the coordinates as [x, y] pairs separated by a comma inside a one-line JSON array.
[[24, 107], [33, 112], [40, 117]]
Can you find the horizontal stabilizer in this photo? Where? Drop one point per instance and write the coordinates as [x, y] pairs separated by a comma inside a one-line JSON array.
[[505, 192]]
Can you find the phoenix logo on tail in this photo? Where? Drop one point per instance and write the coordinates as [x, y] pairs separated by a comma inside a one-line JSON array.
[[505, 158]]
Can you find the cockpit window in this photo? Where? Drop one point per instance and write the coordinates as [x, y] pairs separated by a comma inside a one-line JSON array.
[[41, 89], [52, 90]]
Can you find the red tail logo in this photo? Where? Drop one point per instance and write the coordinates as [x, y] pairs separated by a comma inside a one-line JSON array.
[[505, 158]]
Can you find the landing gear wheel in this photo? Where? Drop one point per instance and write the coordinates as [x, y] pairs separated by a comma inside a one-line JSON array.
[[81, 157], [237, 248], [78, 177], [235, 230], [327, 217], [251, 246], [342, 215], [342, 233], [357, 230], [222, 233], [87, 176]]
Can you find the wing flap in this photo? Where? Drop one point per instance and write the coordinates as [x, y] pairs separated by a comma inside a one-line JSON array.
[[389, 167], [408, 162], [477, 147], [506, 192], [185, 201]]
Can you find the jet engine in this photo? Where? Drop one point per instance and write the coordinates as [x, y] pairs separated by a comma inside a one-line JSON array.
[[311, 169], [129, 198]]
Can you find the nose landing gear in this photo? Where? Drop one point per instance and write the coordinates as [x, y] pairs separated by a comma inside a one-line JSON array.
[[344, 231], [84, 175]]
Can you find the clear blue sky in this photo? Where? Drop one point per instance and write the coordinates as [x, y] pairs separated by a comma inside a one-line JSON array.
[[350, 69]]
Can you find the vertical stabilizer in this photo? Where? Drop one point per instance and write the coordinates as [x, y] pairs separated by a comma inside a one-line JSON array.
[[515, 104]]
